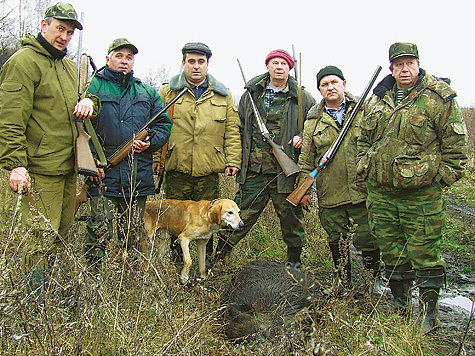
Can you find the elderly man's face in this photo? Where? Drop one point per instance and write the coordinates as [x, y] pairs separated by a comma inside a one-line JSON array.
[[405, 70], [332, 88], [278, 69], [121, 60], [57, 33], [195, 67]]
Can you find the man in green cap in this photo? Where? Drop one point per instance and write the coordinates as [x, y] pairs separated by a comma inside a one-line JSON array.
[[341, 193], [413, 144], [205, 138], [127, 105], [38, 108]]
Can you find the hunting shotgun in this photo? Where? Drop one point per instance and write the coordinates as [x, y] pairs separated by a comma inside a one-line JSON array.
[[115, 158], [296, 196], [85, 161], [285, 162]]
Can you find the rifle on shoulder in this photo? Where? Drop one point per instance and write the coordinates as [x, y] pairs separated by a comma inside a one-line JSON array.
[[285, 162], [296, 196]]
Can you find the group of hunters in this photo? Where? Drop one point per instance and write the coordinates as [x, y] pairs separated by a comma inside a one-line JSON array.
[[382, 192]]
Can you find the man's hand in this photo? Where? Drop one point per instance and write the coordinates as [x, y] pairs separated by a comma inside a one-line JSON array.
[[140, 146], [84, 109], [296, 142], [20, 180], [101, 172], [231, 171], [306, 201]]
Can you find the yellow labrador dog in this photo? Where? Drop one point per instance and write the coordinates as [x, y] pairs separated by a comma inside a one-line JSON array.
[[190, 221]]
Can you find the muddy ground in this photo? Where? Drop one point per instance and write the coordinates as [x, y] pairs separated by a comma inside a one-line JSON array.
[[456, 300]]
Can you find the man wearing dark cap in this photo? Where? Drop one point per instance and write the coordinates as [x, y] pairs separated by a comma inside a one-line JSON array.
[[127, 105], [38, 108], [277, 97], [204, 139], [341, 194], [413, 144]]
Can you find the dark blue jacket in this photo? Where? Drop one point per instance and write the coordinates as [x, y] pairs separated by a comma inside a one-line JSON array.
[[127, 104]]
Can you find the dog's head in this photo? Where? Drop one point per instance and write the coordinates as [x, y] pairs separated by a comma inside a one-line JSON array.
[[225, 212]]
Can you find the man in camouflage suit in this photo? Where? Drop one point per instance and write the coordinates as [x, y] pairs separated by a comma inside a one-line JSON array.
[[413, 144], [341, 193], [276, 95], [204, 138]]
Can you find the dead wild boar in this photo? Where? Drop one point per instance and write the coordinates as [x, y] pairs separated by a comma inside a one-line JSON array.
[[263, 295]]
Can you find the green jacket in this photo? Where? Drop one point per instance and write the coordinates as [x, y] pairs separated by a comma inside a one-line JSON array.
[[420, 141], [289, 126], [204, 137], [37, 98], [338, 183]]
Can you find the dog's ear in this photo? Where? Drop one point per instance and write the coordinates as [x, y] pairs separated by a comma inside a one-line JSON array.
[[215, 212]]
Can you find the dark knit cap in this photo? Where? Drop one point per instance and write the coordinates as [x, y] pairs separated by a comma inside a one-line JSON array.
[[329, 70], [196, 47]]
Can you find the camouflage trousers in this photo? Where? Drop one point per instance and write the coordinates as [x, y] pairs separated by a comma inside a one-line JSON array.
[[253, 197], [336, 222], [127, 212], [408, 224], [183, 186], [48, 213]]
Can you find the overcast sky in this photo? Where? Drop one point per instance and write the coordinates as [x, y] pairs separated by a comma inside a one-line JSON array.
[[353, 35]]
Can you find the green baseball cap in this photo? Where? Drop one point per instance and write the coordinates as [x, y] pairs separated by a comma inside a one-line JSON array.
[[400, 49], [63, 11], [122, 42]]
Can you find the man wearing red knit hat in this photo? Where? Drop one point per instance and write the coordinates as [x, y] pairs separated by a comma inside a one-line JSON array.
[[276, 95]]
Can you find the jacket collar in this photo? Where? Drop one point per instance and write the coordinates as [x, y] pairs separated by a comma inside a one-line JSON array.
[[116, 76], [258, 84], [54, 52], [178, 82]]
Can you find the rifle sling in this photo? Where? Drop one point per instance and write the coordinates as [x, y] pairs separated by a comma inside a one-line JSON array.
[[95, 141], [300, 108]]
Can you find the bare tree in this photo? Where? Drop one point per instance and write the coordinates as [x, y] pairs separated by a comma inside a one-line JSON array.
[[156, 77]]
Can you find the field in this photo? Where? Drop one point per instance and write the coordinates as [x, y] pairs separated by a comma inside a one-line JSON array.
[[126, 311]]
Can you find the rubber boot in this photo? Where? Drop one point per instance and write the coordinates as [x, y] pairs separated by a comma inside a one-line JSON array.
[[341, 260], [293, 257], [36, 286], [430, 281], [372, 263], [175, 251], [401, 280], [209, 253]]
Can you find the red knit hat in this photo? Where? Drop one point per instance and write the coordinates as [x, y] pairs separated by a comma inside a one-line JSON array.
[[282, 54]]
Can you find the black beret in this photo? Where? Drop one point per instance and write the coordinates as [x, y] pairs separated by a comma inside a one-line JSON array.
[[196, 47]]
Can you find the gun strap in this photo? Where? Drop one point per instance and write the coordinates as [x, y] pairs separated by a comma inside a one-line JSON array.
[[163, 155], [95, 141], [300, 108]]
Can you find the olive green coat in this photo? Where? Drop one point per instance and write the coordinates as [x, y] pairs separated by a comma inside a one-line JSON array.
[[338, 184], [205, 136], [420, 141], [37, 99]]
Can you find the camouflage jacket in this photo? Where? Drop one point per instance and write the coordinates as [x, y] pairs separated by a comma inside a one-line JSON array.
[[288, 125], [205, 133], [338, 183], [420, 141]]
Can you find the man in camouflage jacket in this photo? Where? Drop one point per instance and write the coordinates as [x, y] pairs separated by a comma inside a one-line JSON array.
[[261, 178], [341, 193], [413, 144]]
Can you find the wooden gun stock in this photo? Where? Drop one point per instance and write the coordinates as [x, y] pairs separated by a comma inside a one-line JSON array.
[[85, 161], [81, 197], [125, 149], [296, 196], [288, 166]]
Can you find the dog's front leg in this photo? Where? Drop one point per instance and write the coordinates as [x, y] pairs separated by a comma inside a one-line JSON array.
[[201, 245], [185, 247]]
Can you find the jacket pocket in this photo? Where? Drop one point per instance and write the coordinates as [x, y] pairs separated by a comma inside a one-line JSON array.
[[12, 88], [414, 172]]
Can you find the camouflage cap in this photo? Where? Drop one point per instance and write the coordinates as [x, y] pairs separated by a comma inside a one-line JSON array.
[[122, 42], [63, 11], [196, 47], [400, 49]]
